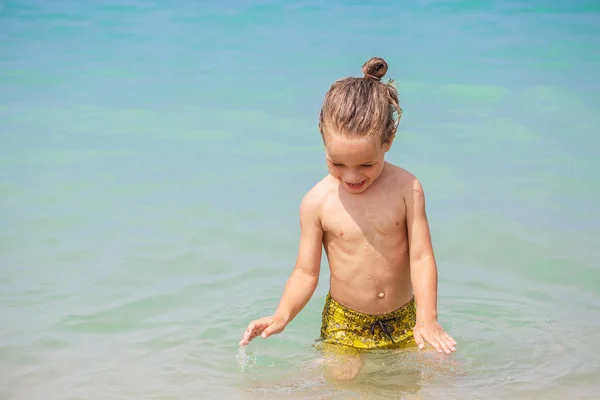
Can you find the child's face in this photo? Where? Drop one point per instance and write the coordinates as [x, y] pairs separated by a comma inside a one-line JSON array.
[[355, 162]]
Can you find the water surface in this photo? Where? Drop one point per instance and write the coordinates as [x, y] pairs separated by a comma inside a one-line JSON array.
[[153, 156]]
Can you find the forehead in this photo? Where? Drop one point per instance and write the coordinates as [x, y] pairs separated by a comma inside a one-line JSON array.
[[342, 148]]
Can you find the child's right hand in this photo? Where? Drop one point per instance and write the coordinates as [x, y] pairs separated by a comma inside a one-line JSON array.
[[265, 327]]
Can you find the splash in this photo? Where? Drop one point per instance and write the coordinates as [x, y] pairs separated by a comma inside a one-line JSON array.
[[244, 360]]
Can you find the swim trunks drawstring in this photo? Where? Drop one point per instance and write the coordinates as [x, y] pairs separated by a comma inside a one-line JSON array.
[[385, 326]]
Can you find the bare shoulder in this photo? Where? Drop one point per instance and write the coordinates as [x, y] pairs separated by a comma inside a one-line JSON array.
[[312, 202], [404, 179]]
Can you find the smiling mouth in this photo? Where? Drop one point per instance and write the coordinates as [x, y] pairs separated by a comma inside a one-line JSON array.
[[356, 186]]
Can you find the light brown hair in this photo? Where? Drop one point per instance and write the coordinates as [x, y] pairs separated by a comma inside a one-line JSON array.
[[364, 106]]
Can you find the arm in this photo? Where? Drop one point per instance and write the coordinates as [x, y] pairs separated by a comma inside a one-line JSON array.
[[303, 281], [423, 271], [423, 268], [305, 276]]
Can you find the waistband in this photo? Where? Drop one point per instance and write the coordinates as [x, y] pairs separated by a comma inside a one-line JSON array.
[[356, 316]]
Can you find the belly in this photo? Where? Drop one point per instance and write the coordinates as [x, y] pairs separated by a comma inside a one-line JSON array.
[[372, 278]]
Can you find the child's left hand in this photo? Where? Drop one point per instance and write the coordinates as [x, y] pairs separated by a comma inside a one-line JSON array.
[[433, 333]]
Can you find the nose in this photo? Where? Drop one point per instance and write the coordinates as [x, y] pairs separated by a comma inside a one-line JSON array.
[[352, 176]]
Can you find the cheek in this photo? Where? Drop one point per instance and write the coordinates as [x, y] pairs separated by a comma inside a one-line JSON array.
[[373, 171], [334, 171]]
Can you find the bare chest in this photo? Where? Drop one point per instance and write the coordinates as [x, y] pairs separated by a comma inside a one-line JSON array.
[[372, 218]]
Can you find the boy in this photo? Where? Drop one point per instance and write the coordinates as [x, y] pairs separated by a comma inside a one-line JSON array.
[[370, 217]]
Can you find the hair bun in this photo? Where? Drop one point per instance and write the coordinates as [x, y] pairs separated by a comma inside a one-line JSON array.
[[375, 68]]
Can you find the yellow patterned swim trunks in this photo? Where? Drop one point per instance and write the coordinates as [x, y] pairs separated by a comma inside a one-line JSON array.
[[346, 327]]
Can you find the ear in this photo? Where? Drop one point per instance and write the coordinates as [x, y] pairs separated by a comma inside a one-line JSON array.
[[388, 145]]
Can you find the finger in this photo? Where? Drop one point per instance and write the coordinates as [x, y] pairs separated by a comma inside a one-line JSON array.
[[432, 340], [418, 338], [244, 340], [248, 336], [256, 327], [451, 343], [440, 346], [446, 341], [276, 326], [269, 330], [451, 339], [251, 332], [444, 344], [252, 328]]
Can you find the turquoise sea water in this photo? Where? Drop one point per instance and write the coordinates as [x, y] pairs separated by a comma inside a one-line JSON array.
[[153, 156]]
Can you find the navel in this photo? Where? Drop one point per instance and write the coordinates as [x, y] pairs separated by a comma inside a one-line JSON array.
[[397, 223], [381, 295]]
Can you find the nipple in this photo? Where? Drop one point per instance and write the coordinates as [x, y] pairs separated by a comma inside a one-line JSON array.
[[381, 295]]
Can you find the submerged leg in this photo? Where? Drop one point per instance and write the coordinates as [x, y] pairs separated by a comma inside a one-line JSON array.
[[341, 363]]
